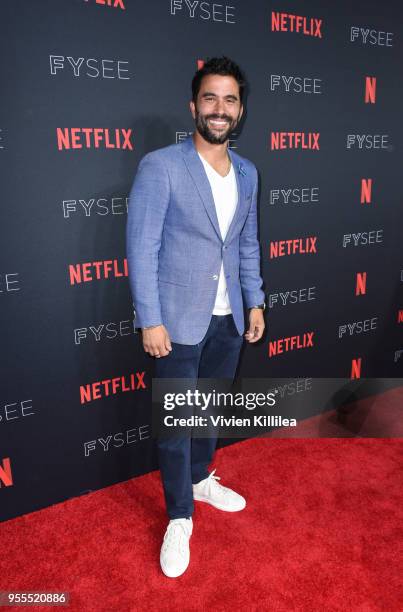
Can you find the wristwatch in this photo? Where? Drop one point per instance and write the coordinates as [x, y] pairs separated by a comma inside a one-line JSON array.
[[261, 306]]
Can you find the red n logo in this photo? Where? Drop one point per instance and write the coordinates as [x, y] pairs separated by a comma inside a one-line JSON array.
[[370, 88], [356, 368], [366, 191], [361, 283], [6, 476]]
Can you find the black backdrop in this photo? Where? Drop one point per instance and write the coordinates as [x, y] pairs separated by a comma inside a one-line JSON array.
[[124, 68]]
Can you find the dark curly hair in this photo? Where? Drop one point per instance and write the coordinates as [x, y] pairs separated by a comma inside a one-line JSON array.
[[219, 65]]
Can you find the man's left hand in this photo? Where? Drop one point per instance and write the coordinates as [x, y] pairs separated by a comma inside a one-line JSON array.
[[256, 325]]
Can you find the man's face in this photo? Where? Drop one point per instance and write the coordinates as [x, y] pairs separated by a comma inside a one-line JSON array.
[[218, 108]]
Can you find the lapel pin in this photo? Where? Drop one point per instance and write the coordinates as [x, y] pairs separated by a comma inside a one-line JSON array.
[[241, 170]]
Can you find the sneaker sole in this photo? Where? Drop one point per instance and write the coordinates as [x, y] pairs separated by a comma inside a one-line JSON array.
[[173, 575], [218, 506]]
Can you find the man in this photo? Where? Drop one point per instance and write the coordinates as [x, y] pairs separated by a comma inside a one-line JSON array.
[[193, 254]]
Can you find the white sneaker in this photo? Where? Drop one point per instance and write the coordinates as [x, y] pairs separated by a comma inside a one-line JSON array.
[[175, 553], [223, 498]]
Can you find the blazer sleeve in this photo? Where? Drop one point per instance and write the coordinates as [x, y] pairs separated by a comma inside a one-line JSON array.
[[249, 255], [148, 203]]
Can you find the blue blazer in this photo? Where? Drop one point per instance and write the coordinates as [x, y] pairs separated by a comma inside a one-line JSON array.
[[175, 248]]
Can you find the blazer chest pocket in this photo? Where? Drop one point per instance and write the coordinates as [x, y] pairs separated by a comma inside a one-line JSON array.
[[174, 275]]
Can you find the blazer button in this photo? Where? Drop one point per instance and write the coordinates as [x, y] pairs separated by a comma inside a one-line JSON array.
[[215, 277]]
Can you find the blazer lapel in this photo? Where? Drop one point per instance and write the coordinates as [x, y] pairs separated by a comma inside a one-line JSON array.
[[196, 169], [240, 179]]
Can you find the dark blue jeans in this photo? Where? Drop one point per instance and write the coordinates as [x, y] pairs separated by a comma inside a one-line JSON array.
[[184, 461]]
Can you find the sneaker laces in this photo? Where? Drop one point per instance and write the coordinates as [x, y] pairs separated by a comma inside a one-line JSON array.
[[212, 482], [175, 536]]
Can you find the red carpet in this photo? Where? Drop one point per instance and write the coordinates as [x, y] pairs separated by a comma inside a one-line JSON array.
[[321, 531]]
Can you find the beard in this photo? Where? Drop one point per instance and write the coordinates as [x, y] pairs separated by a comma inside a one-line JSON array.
[[215, 136]]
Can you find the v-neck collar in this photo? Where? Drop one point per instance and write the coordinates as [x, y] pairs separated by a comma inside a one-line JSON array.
[[214, 170], [198, 173]]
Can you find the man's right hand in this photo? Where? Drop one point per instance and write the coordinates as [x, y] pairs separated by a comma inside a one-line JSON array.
[[156, 341]]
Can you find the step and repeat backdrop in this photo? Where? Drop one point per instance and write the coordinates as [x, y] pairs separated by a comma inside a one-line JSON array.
[[89, 87]]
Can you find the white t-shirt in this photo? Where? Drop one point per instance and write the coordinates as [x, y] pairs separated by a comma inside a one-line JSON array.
[[225, 194]]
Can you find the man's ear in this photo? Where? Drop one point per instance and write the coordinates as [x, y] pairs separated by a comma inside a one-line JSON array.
[[192, 108], [240, 112]]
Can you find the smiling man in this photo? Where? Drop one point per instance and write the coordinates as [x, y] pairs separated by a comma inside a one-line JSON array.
[[194, 263]]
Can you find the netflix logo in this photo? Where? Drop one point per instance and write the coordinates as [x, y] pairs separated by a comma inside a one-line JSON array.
[[356, 365], [112, 3], [291, 343], [297, 246], [361, 283], [284, 22], [6, 476], [111, 386], [294, 140], [93, 138], [366, 191], [97, 270], [370, 90]]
